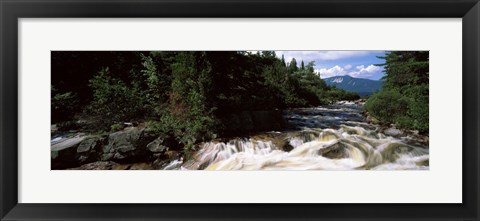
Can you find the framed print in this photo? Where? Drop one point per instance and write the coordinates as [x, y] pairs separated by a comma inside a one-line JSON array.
[[239, 110]]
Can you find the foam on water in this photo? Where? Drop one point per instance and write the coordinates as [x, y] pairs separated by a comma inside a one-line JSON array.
[[346, 143]]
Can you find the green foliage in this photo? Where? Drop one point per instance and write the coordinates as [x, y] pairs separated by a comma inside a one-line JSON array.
[[113, 101], [292, 67], [185, 94], [388, 106], [404, 98], [152, 78], [191, 83], [64, 105], [335, 94], [116, 127]]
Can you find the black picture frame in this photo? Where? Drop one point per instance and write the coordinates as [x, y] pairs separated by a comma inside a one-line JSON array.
[[12, 10]]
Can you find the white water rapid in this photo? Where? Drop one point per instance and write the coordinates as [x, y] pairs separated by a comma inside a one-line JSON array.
[[333, 137]]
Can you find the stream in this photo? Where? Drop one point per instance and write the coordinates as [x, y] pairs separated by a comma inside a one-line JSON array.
[[331, 137]]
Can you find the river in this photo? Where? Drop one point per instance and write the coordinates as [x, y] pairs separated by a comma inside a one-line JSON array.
[[331, 137]]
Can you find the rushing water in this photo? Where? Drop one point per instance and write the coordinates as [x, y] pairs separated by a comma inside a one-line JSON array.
[[334, 137]]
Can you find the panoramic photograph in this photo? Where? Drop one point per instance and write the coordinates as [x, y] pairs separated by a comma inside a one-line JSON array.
[[239, 110]]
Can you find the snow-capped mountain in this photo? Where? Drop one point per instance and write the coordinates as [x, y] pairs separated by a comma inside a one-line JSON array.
[[360, 85]]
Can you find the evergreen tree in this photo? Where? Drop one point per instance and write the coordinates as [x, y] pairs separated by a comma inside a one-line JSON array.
[[404, 98], [292, 67]]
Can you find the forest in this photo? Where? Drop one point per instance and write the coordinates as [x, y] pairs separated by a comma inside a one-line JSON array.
[[187, 96]]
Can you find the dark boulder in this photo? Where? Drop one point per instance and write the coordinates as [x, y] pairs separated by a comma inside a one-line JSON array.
[[63, 152], [157, 146], [127, 146], [75, 151]]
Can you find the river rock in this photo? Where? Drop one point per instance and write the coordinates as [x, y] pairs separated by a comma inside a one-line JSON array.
[[64, 152], [157, 146], [128, 145], [372, 120], [65, 144], [90, 144], [393, 132], [75, 151]]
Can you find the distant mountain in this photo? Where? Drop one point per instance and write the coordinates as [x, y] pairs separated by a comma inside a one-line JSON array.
[[362, 86]]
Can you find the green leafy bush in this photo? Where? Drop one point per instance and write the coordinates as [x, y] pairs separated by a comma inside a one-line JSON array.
[[387, 106], [116, 127], [405, 96], [113, 101], [64, 105]]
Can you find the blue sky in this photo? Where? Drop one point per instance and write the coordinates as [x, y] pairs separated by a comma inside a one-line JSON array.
[[359, 64]]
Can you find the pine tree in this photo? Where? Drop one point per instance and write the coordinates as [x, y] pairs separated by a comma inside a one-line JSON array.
[[404, 98], [292, 67]]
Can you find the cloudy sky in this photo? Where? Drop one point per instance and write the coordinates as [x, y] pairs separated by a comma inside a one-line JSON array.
[[359, 64]]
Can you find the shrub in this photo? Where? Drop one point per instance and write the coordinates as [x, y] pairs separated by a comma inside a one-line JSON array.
[[113, 101], [387, 106], [116, 127], [64, 105]]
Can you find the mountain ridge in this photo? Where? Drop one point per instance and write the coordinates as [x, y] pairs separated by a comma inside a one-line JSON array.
[[362, 86]]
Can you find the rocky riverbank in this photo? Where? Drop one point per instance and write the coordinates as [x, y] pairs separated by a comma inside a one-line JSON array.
[[139, 147], [338, 136]]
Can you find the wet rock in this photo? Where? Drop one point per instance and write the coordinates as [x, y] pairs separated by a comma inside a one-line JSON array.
[[424, 163], [392, 151], [106, 156], [89, 150], [75, 151], [157, 146], [166, 159], [65, 144], [393, 132], [279, 140], [173, 154], [337, 150], [127, 146], [414, 132], [328, 136], [90, 144], [64, 152], [372, 120]]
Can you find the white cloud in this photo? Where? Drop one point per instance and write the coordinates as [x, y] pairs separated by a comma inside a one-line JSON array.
[[334, 71], [365, 72], [360, 71], [308, 56]]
